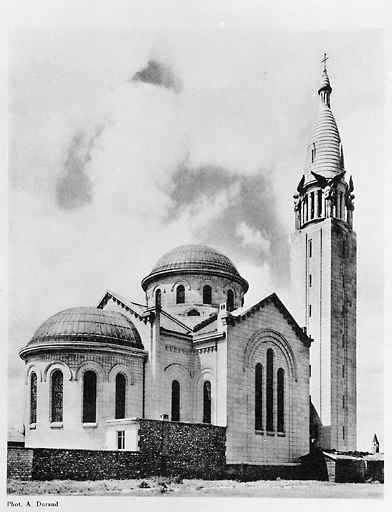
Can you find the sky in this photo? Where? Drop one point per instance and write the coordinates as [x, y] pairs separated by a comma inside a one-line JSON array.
[[126, 143]]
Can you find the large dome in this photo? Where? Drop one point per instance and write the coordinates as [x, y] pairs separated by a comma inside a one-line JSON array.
[[194, 259], [86, 324]]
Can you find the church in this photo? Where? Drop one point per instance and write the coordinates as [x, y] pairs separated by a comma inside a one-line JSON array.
[[279, 381]]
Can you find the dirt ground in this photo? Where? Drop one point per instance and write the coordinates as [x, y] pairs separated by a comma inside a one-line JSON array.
[[175, 487]]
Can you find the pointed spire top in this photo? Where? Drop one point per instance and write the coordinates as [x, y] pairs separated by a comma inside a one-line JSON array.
[[325, 85], [325, 62]]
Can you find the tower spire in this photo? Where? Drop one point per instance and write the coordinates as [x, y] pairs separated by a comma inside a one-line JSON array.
[[325, 62]]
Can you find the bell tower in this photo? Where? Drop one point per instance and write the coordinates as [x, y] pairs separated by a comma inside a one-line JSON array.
[[323, 278]]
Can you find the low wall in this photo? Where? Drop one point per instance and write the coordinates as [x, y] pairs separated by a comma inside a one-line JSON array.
[[251, 472], [186, 449], [20, 463], [165, 448]]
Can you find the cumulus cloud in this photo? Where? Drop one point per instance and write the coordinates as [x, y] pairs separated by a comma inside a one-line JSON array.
[[252, 237], [157, 73], [246, 224], [74, 188]]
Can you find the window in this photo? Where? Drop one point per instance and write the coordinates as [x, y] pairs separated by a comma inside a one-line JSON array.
[[175, 406], [313, 153], [158, 298], [319, 202], [180, 294], [230, 300], [343, 401], [310, 281], [57, 397], [207, 402], [312, 205], [120, 395], [270, 390], [280, 400], [207, 294], [310, 310], [310, 248], [33, 398], [120, 439], [193, 312], [89, 397], [259, 397]]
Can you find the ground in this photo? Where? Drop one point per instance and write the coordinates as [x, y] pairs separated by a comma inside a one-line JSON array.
[[175, 487]]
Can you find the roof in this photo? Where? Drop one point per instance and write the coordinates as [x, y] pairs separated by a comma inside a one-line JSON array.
[[87, 324], [193, 258], [243, 312], [324, 154]]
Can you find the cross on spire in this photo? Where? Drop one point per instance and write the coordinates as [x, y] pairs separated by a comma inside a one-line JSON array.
[[325, 62]]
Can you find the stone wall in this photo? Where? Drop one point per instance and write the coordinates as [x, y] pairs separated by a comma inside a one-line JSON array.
[[19, 463], [166, 448]]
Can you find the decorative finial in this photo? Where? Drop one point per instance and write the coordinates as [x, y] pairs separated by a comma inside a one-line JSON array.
[[325, 62]]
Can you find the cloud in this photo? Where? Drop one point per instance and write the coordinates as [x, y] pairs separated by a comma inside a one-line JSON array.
[[159, 74], [74, 188], [252, 237], [246, 224]]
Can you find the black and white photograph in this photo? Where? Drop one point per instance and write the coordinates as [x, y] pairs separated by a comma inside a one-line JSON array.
[[196, 245]]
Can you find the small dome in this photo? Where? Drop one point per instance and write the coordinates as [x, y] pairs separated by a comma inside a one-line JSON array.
[[325, 83], [194, 259], [90, 325]]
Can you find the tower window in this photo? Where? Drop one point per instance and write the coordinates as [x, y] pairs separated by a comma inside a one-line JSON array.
[[259, 397], [120, 395], [310, 281], [310, 309], [158, 298], [270, 390], [207, 294], [313, 153], [33, 398], [175, 404], [89, 397], [207, 402], [312, 205], [319, 202], [280, 400], [343, 402], [310, 248], [57, 396], [180, 299], [230, 300]]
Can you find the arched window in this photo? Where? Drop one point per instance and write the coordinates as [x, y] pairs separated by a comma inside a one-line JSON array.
[[207, 402], [280, 400], [175, 404], [57, 397], [158, 298], [259, 397], [180, 294], [33, 398], [120, 395], [89, 397], [207, 294], [230, 300], [270, 390]]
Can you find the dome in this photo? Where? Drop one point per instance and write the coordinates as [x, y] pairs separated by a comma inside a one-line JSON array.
[[324, 154], [86, 324], [194, 259]]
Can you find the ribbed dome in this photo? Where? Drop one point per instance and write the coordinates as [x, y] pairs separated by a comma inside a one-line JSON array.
[[88, 324], [324, 153], [194, 258]]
